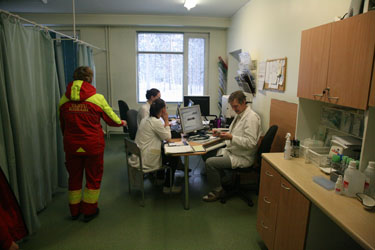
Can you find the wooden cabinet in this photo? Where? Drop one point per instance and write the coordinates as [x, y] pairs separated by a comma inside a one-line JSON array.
[[267, 204], [336, 61], [282, 211], [293, 211], [371, 99], [313, 67]]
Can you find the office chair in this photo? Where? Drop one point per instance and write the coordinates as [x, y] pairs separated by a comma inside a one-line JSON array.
[[132, 123], [264, 147], [132, 148], [123, 110]]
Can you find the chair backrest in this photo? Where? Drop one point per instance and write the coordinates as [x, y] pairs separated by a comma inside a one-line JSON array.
[[132, 123], [131, 147], [266, 143], [123, 112]]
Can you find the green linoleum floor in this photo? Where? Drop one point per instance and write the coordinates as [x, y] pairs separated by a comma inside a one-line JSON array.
[[161, 224]]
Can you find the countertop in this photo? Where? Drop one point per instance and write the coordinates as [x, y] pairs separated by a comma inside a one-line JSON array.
[[347, 212]]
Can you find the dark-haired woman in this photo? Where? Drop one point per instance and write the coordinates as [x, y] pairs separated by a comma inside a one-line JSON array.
[[144, 111], [150, 135]]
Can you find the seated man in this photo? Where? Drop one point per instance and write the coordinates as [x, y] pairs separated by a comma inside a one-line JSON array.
[[241, 141]]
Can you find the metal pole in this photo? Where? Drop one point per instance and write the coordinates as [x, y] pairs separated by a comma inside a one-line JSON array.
[[48, 29], [74, 20]]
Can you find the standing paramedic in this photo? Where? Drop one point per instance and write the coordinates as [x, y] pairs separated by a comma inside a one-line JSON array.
[[80, 111]]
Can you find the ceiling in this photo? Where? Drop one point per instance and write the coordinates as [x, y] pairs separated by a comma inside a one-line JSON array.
[[204, 8]]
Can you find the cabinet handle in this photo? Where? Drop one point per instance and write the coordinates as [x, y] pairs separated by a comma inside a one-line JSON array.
[[265, 200], [265, 227], [335, 98], [285, 187], [318, 95], [269, 174]]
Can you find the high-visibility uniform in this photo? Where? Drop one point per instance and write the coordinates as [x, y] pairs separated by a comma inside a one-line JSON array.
[[12, 225], [80, 111]]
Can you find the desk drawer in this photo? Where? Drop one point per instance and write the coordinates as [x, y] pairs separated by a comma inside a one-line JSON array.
[[269, 191], [266, 229]]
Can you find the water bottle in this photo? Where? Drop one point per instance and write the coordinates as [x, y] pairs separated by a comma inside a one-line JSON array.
[[370, 179], [354, 180]]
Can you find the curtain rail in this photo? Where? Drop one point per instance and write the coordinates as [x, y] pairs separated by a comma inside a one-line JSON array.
[[48, 29]]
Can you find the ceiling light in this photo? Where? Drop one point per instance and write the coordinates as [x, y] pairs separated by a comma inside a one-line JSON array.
[[190, 4], [44, 1]]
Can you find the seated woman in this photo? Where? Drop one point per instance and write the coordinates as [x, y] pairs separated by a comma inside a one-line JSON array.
[[151, 132], [144, 111]]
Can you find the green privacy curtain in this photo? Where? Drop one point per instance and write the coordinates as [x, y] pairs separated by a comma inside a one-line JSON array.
[[59, 56], [30, 140], [86, 58]]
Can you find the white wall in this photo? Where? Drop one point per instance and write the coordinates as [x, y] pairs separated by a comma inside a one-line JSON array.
[[270, 29]]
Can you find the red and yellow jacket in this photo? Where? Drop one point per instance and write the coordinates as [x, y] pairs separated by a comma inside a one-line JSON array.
[[12, 225], [80, 111]]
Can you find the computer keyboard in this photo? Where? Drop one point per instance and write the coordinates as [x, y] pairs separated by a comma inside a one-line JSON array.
[[213, 143], [211, 147]]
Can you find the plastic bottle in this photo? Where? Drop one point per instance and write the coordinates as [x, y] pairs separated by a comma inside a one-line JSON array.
[[288, 147], [370, 179], [354, 180], [339, 185]]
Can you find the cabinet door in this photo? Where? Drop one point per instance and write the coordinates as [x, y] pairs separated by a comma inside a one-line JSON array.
[[292, 217], [313, 66], [351, 59], [267, 203], [371, 100]]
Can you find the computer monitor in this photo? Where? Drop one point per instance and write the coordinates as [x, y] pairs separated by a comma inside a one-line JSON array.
[[191, 119], [203, 101]]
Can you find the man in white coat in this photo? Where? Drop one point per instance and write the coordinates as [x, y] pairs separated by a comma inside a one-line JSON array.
[[241, 145]]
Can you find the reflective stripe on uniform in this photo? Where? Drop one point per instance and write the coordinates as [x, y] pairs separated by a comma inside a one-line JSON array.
[[91, 195], [81, 150], [75, 196], [76, 90], [99, 100], [63, 100]]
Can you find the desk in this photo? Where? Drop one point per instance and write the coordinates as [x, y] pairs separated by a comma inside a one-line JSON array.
[[348, 213], [186, 164]]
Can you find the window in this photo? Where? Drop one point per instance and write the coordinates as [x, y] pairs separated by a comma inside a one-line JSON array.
[[162, 59]]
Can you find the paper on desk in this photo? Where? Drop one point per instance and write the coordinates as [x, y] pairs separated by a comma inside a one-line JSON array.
[[198, 148], [178, 143], [178, 150]]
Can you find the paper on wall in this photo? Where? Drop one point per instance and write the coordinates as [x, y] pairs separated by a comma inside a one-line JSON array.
[[261, 74]]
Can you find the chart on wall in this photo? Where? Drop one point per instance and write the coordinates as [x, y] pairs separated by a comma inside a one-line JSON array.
[[272, 74]]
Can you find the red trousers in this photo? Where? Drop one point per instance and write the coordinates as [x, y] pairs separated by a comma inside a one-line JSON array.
[[12, 226], [92, 165]]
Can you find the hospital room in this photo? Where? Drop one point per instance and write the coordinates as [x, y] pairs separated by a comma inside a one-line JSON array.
[[187, 124]]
